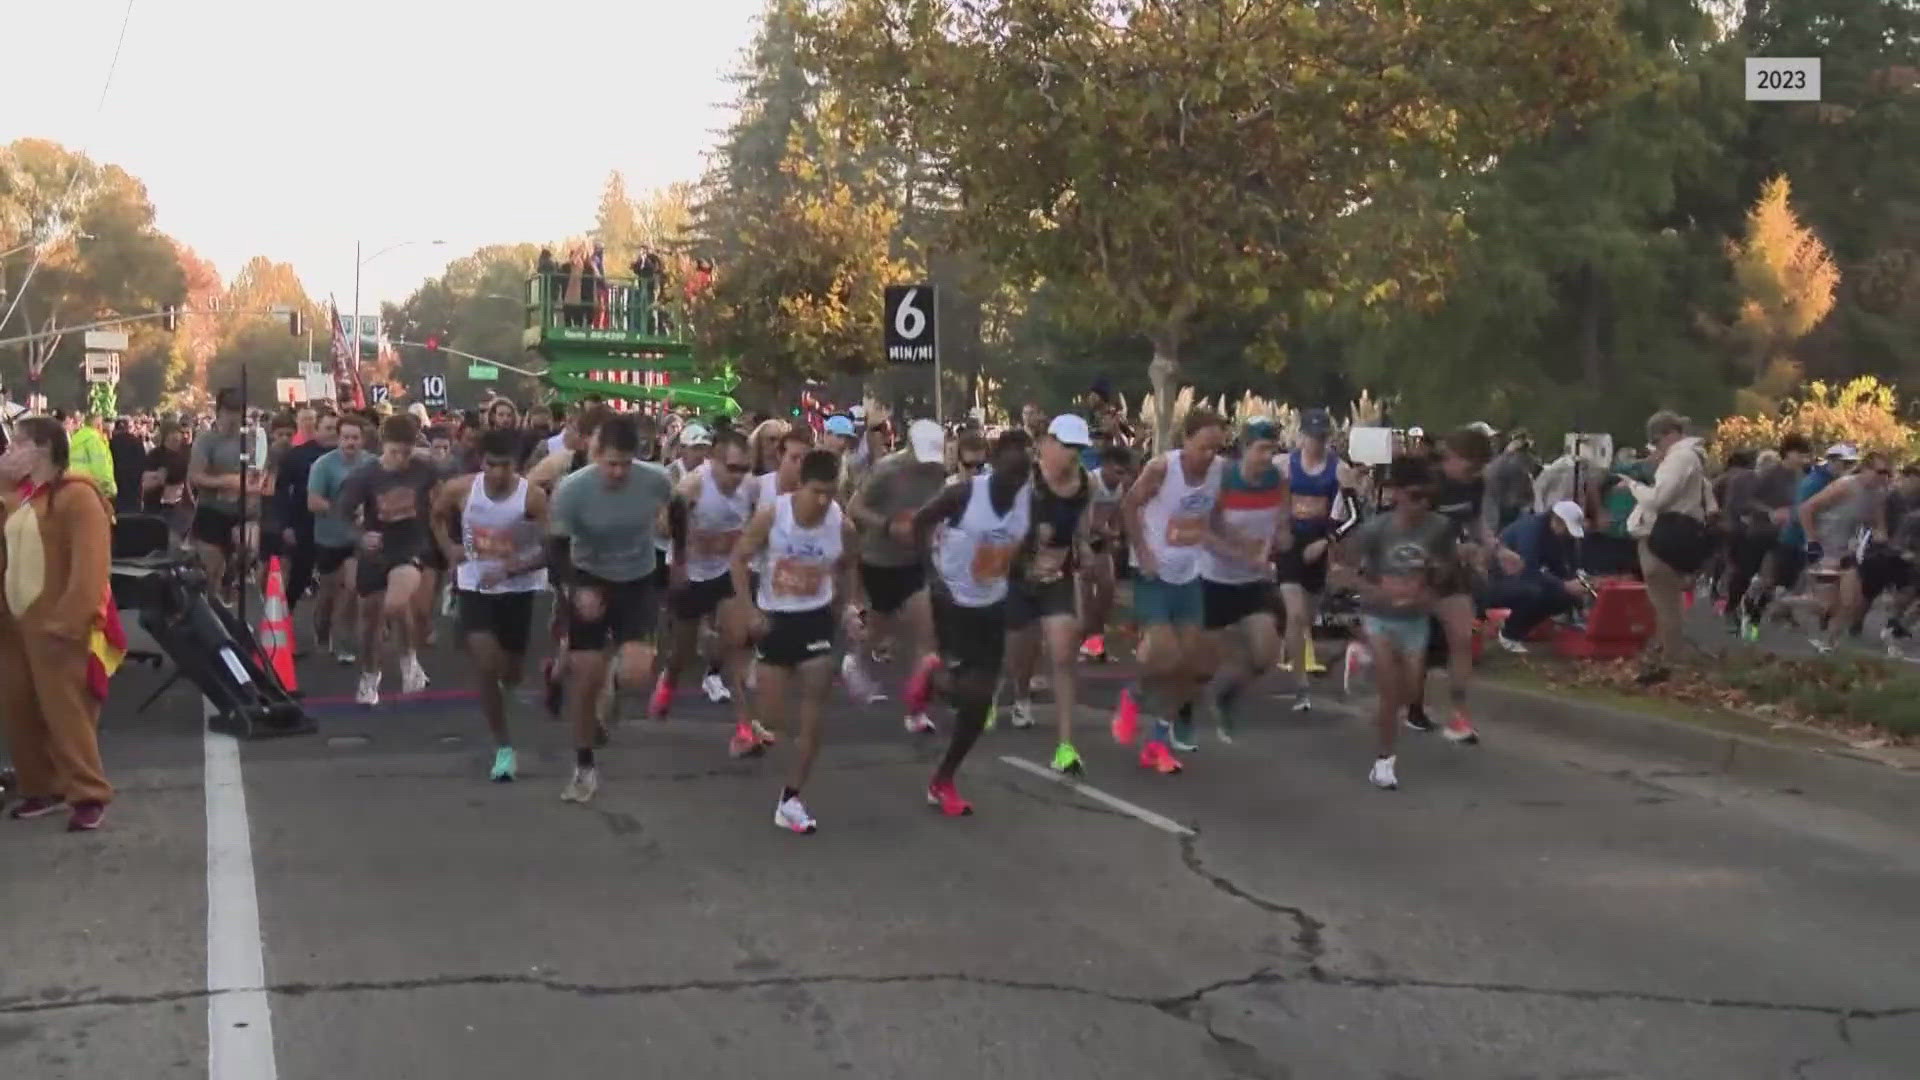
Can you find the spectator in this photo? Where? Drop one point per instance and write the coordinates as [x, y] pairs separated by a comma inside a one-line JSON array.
[[1546, 585], [87, 450], [129, 461], [1669, 522], [1509, 483], [576, 296], [59, 542]]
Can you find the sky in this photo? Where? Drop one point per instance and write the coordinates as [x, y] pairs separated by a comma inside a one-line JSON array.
[[293, 130]]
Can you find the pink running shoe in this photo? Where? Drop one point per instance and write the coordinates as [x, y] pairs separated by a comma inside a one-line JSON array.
[[943, 794], [662, 698], [919, 689], [1126, 720]]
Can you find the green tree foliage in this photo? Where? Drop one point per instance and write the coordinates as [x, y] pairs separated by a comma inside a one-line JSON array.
[[617, 224], [254, 331], [477, 305], [1168, 160]]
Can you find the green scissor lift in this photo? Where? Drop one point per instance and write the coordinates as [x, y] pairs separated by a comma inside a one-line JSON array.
[[640, 331]]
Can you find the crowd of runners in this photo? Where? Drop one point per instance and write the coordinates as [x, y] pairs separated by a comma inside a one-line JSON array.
[[781, 564]]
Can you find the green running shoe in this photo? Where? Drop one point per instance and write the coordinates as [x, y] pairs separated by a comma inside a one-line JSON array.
[[1066, 761], [993, 716], [504, 766]]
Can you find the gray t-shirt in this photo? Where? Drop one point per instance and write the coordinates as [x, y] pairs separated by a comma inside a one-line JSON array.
[[1406, 560], [217, 455], [611, 529], [897, 484], [389, 500]]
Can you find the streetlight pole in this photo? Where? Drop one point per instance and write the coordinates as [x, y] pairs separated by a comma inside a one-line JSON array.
[[359, 262]]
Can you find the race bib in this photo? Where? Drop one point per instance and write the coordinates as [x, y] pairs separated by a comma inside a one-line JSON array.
[[715, 544], [992, 561], [797, 578], [1049, 564], [1185, 531], [1311, 507], [396, 504], [492, 544]]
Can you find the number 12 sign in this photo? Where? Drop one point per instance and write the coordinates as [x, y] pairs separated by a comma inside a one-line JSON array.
[[910, 337]]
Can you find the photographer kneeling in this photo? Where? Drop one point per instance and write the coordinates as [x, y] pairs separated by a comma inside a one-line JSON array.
[[1547, 584]]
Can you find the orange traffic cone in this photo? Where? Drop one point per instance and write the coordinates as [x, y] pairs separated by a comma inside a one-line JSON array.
[[276, 629]]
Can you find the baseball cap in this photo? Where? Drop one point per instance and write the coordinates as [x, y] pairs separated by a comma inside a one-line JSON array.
[[1843, 451], [928, 442], [858, 412], [839, 425], [1070, 430], [1569, 511], [1315, 422], [1416, 432], [695, 435], [1482, 427]]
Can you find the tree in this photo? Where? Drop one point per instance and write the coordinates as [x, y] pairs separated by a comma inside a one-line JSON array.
[[477, 305], [616, 225], [1787, 280], [1170, 159]]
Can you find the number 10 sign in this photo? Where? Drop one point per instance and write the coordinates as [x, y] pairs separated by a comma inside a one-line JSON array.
[[910, 336]]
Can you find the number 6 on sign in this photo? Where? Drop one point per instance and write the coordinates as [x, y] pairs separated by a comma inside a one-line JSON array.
[[910, 325], [909, 321]]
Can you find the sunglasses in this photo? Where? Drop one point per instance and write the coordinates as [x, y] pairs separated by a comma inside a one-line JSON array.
[[739, 470], [973, 466]]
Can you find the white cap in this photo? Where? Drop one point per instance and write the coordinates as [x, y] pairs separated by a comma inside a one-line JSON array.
[[1482, 427], [858, 412], [929, 443], [1569, 511], [1416, 432], [1843, 451], [1070, 430], [695, 435], [418, 411]]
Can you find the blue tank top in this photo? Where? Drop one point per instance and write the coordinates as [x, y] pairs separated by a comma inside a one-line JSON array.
[[1312, 496]]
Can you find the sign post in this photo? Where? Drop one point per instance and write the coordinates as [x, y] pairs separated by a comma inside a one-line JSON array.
[[912, 333]]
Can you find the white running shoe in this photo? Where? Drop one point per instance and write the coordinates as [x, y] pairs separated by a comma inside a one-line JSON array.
[[584, 783], [860, 685], [1356, 660], [715, 688], [1021, 715], [1510, 645], [793, 817], [368, 692], [919, 724], [1822, 647], [1040, 684], [1382, 776], [413, 677]]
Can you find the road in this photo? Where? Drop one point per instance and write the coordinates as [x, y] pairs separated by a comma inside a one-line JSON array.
[[1516, 910]]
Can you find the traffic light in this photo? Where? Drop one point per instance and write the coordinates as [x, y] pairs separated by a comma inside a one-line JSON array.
[[297, 322], [170, 317], [433, 342]]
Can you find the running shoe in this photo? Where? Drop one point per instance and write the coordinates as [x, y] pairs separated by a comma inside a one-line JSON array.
[[765, 737], [993, 715], [1515, 647], [919, 723], [1094, 648], [943, 794], [1040, 684], [882, 653], [745, 743], [860, 686], [1824, 648], [1066, 761], [662, 698], [715, 688], [1180, 733], [446, 602], [581, 788], [505, 767], [1155, 756], [344, 656], [790, 815], [1302, 701], [1749, 627], [1022, 715], [1459, 729], [1890, 643], [413, 677], [1126, 719], [1417, 718], [35, 806], [919, 688], [1226, 706], [1314, 666], [1382, 776], [1356, 660], [87, 816], [368, 692]]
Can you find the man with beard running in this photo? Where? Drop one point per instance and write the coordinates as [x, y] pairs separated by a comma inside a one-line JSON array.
[[604, 518], [808, 549], [1237, 575], [974, 529], [1042, 603], [499, 566]]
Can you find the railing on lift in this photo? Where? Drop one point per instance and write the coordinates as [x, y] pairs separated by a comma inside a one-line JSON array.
[[643, 306]]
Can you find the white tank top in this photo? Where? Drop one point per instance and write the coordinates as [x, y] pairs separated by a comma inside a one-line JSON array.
[[974, 557], [494, 534], [714, 523], [1174, 521], [800, 562]]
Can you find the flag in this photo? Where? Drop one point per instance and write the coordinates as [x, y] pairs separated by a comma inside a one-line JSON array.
[[346, 366], [106, 647]]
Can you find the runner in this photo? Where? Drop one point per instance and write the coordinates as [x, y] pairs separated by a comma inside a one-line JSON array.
[[1042, 602], [1840, 522], [892, 574], [213, 471], [973, 528], [1760, 559], [808, 546], [574, 454], [1313, 488], [1110, 475], [499, 566], [1394, 561], [392, 496], [1237, 574], [336, 540], [605, 517], [1167, 512], [711, 507]]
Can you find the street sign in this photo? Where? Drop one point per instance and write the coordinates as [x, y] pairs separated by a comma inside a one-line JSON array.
[[291, 391], [911, 337], [102, 367], [319, 384], [433, 391], [107, 340], [482, 372]]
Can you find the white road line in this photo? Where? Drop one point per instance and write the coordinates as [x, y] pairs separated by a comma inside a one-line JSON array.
[[1112, 802], [239, 1019]]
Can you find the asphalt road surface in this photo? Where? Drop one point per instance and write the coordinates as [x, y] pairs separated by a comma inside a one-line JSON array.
[[362, 904]]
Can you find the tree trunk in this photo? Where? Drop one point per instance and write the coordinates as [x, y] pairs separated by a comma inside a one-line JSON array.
[[1160, 372]]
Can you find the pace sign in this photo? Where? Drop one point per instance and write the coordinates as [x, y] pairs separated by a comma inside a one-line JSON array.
[[910, 336], [433, 391]]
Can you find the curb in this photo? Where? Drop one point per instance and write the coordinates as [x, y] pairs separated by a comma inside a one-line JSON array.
[[1839, 776]]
